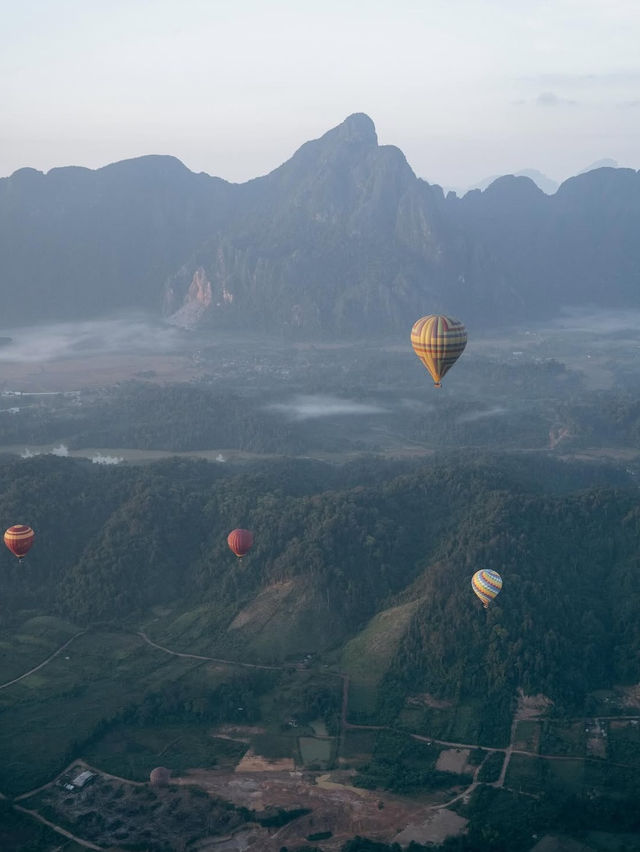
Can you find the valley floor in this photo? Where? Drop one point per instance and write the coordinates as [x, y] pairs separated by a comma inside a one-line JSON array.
[[330, 804]]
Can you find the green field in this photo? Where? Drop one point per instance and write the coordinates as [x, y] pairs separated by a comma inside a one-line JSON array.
[[358, 746], [562, 738], [527, 736], [535, 775], [315, 751], [624, 742], [457, 723], [526, 774], [613, 780], [274, 746], [34, 641], [132, 752]]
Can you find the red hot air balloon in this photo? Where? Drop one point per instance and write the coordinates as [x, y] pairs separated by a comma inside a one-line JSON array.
[[240, 541], [19, 539]]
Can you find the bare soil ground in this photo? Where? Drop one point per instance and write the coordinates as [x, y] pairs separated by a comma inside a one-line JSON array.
[[618, 724], [253, 762], [237, 733], [111, 813], [629, 696], [336, 806], [435, 829], [100, 370], [454, 760], [531, 706], [597, 746], [424, 699]]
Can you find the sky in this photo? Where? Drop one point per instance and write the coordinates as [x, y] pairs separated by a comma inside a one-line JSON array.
[[466, 88]]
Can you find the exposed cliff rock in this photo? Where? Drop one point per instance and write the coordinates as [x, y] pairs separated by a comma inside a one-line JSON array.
[[196, 302]]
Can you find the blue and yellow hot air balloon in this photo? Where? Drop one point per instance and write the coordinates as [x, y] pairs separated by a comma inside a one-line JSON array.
[[438, 341], [486, 584]]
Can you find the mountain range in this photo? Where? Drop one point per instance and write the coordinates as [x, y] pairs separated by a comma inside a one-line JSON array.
[[342, 239], [544, 182]]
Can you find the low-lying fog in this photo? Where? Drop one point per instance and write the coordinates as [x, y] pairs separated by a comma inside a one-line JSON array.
[[590, 319], [99, 353], [307, 407], [141, 334], [133, 334]]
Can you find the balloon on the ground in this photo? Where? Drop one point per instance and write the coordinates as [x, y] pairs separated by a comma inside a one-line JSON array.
[[438, 341], [240, 541], [486, 584], [19, 539], [160, 776]]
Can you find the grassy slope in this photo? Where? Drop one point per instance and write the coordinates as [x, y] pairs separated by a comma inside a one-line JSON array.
[[367, 657]]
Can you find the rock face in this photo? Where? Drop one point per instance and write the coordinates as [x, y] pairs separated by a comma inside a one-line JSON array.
[[343, 239], [195, 304]]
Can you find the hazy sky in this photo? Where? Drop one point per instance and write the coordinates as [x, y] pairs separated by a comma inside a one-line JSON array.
[[466, 88]]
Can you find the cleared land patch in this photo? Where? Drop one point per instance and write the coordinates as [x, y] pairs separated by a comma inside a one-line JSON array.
[[454, 760]]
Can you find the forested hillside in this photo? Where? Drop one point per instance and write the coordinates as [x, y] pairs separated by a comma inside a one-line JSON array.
[[334, 547]]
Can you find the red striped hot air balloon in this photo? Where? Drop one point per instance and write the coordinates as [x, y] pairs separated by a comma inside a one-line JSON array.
[[19, 539], [438, 341], [240, 541]]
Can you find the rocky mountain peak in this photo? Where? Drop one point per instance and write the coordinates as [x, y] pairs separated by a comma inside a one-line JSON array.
[[357, 127]]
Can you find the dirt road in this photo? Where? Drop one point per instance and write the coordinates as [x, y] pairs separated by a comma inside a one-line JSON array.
[[207, 659]]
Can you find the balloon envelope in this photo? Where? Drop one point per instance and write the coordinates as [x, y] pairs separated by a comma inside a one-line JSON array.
[[240, 541], [160, 776], [438, 341], [19, 539], [486, 585]]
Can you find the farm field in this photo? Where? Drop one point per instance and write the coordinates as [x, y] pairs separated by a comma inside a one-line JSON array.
[[100, 697], [48, 716], [131, 752], [314, 751], [37, 639]]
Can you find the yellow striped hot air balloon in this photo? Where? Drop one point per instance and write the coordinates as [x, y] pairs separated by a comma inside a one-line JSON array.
[[438, 341], [486, 584]]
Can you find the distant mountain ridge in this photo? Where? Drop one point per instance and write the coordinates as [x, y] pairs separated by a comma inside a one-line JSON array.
[[342, 239], [544, 182]]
